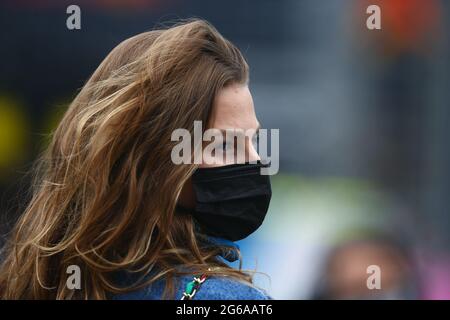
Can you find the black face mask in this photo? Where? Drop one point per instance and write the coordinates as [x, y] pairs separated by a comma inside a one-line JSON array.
[[232, 201]]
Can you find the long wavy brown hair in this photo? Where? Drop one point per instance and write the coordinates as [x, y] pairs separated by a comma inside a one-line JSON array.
[[105, 192]]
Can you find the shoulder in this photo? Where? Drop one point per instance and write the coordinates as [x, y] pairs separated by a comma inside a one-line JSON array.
[[214, 288], [225, 288]]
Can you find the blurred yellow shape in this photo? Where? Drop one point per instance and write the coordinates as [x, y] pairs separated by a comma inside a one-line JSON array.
[[13, 134]]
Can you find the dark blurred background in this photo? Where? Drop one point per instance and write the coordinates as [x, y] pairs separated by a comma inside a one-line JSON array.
[[363, 117]]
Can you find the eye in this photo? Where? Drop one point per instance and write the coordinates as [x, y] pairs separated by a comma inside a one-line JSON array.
[[230, 144]]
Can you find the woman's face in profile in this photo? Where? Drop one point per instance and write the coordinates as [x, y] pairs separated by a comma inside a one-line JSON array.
[[232, 109]]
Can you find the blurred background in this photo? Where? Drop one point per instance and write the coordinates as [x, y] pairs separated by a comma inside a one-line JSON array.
[[363, 115]]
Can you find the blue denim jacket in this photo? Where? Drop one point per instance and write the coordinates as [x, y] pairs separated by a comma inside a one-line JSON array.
[[214, 288]]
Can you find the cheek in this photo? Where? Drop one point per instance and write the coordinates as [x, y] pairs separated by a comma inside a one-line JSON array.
[[209, 157], [252, 153]]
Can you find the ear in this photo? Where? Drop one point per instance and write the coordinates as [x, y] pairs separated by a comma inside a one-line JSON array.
[[187, 195]]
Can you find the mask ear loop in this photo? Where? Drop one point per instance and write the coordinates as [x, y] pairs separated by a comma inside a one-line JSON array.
[[182, 209]]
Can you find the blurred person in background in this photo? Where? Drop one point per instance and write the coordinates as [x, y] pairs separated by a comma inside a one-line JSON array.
[[344, 274]]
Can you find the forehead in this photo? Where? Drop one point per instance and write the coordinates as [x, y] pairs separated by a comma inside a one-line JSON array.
[[233, 109]]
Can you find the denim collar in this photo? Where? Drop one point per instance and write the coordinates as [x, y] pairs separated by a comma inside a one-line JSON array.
[[229, 250]]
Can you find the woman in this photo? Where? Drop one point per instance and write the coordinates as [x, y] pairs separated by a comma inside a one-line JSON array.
[[108, 202]]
